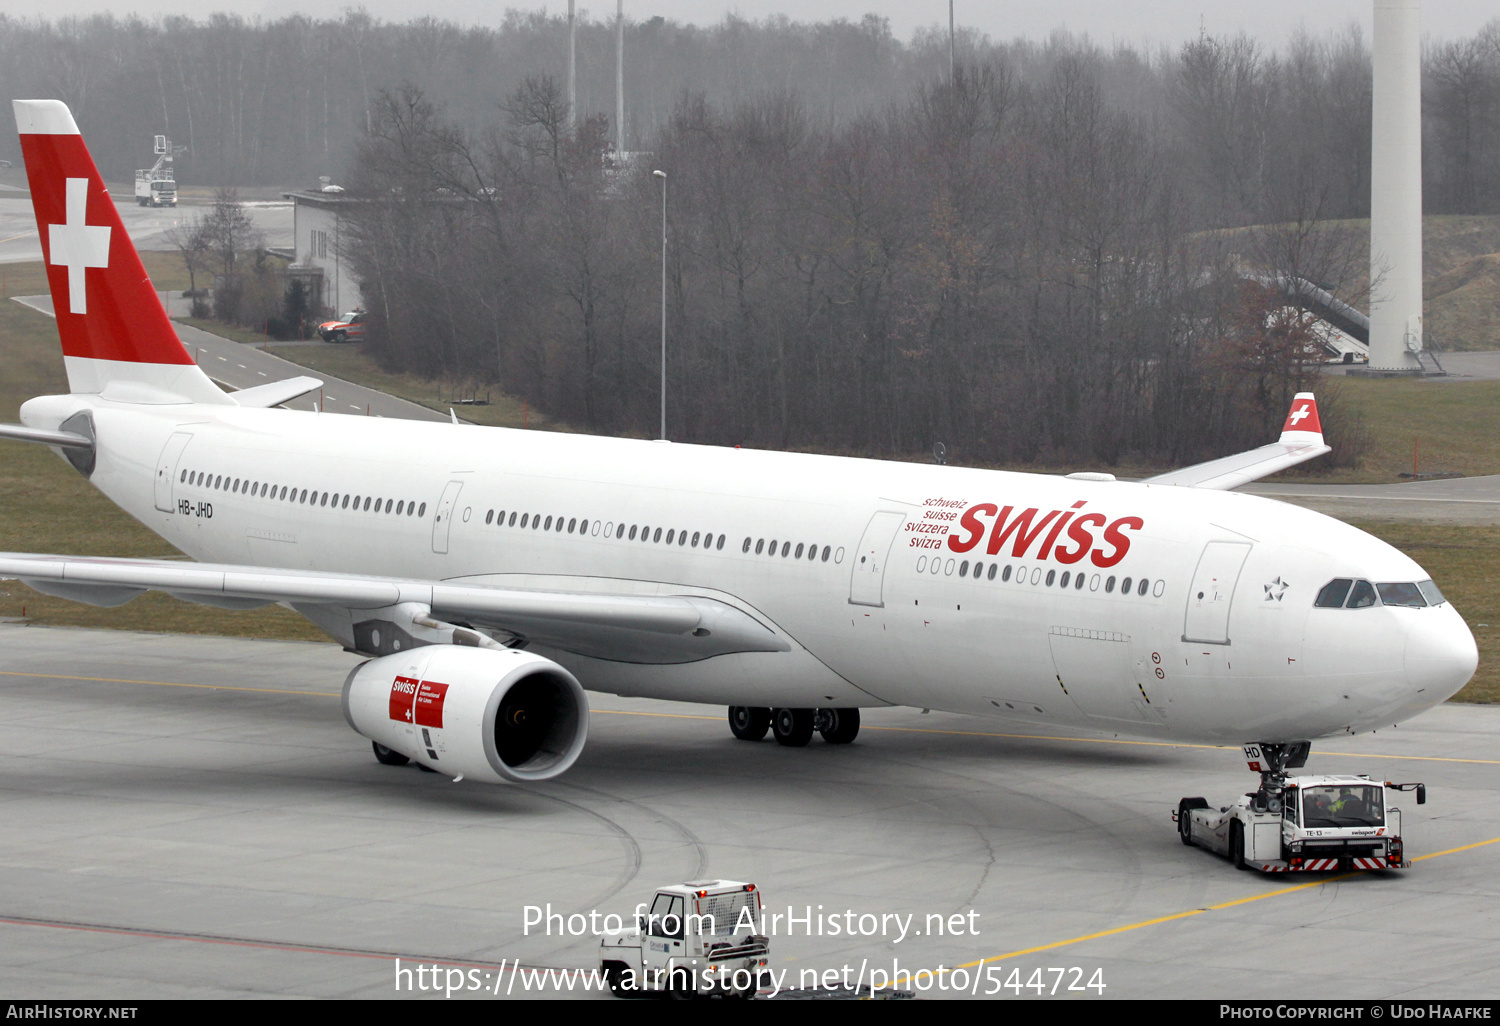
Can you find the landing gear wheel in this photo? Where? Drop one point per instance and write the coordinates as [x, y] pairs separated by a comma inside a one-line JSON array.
[[792, 727], [1237, 844], [838, 726], [749, 723], [1184, 822], [387, 757]]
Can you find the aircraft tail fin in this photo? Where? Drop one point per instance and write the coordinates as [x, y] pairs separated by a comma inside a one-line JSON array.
[[116, 338]]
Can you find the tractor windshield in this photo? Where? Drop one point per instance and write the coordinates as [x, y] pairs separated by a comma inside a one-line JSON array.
[[1343, 805]]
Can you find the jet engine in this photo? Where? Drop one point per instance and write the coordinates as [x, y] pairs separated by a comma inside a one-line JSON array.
[[480, 713]]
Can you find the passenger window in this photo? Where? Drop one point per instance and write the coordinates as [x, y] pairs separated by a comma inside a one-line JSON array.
[[303, 497], [489, 518], [632, 532], [1361, 596], [560, 525], [1431, 593], [1063, 583], [1051, 576], [400, 507], [670, 535], [324, 500], [1005, 575], [657, 536], [785, 548], [1403, 594], [681, 537], [422, 510], [695, 539], [1078, 583], [572, 525], [367, 504], [346, 502], [745, 547], [760, 544], [388, 505], [825, 553], [1140, 589], [963, 569], [1109, 585], [799, 553], [991, 575], [720, 545], [812, 552], [1125, 586], [548, 525], [583, 527]]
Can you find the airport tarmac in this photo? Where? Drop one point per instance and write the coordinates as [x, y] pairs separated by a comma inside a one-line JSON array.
[[148, 226], [190, 816]]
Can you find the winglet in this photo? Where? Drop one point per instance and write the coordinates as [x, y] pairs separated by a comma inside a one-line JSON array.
[[1302, 424], [1301, 440]]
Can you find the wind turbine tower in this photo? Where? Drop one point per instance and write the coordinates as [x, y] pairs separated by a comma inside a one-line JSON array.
[[1396, 191]]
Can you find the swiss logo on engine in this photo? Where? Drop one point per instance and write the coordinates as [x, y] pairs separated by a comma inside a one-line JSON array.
[[428, 706], [403, 694]]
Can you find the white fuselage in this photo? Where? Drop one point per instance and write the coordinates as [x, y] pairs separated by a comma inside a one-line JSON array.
[[885, 618]]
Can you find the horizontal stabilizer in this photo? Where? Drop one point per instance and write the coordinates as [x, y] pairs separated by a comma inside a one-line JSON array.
[[263, 397], [65, 439], [1301, 440]]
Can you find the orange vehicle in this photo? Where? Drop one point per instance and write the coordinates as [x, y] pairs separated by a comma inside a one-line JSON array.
[[350, 328]]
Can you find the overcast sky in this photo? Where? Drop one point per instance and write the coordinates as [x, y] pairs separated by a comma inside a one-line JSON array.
[[1131, 21]]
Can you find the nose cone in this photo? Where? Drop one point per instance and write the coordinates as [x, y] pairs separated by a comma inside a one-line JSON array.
[[1440, 655]]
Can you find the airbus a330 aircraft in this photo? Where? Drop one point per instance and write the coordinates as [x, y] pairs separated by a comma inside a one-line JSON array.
[[492, 575]]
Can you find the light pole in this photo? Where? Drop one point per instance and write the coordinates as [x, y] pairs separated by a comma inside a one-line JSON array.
[[663, 176]]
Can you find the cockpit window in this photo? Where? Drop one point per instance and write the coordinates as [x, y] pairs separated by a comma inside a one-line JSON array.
[[1430, 593], [1404, 594], [1334, 592], [1363, 595]]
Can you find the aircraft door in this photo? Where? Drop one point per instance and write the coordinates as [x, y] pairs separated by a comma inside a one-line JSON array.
[[166, 469], [1209, 599], [444, 516], [868, 576]]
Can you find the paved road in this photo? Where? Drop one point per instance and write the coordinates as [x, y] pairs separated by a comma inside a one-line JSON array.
[[244, 366], [148, 226], [1473, 366], [1465, 500], [186, 791]]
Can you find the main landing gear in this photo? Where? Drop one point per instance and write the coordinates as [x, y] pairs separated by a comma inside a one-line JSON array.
[[794, 727]]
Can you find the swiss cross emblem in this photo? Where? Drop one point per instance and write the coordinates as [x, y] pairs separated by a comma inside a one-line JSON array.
[[77, 245], [1299, 416]]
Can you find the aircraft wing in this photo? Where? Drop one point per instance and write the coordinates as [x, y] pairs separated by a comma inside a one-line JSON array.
[[1301, 439], [630, 628]]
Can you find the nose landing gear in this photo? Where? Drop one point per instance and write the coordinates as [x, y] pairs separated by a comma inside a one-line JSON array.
[[794, 728]]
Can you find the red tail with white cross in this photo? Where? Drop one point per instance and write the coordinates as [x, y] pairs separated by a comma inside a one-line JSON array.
[[114, 331]]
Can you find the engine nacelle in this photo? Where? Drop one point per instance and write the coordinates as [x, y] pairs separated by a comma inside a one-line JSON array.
[[485, 714]]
